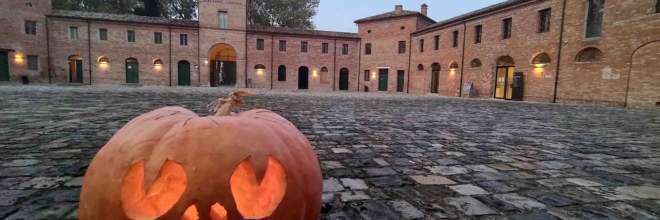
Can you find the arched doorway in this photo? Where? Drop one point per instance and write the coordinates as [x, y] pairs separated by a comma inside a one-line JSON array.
[[75, 69], [222, 65], [132, 71], [343, 79], [435, 78], [303, 77], [184, 73], [644, 82], [504, 78]]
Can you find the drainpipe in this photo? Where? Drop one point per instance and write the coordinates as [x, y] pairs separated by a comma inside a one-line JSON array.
[[359, 73], [460, 84], [170, 30], [334, 69], [199, 64], [561, 40], [409, 60], [246, 47], [48, 48], [89, 51], [272, 52]]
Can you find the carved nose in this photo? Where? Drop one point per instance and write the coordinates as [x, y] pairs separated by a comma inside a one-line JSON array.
[[218, 212]]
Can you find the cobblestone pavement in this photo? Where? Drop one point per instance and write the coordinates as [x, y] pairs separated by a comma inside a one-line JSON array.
[[383, 156]]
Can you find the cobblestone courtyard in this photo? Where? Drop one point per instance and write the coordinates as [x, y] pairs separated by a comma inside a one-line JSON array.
[[383, 156]]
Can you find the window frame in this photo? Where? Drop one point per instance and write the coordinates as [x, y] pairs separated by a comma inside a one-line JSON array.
[[656, 9], [30, 27], [158, 38], [402, 47], [543, 23], [129, 34], [261, 44], [587, 23], [304, 47], [73, 30], [454, 39], [436, 44], [367, 49], [344, 49], [421, 45], [223, 21], [478, 34], [34, 62], [325, 47], [282, 45], [103, 34], [183, 39], [367, 78], [507, 28]]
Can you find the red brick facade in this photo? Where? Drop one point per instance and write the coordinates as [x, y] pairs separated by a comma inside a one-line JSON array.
[[625, 72]]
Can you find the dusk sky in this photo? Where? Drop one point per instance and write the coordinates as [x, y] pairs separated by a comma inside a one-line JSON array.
[[338, 15]]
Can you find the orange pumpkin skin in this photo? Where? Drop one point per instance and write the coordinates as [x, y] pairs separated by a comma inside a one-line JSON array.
[[208, 149]]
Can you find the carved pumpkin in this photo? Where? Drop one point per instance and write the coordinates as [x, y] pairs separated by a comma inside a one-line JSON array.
[[172, 164]]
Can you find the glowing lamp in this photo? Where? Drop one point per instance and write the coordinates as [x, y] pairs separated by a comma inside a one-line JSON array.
[[206, 62], [158, 63], [103, 60], [314, 73], [539, 65], [373, 75]]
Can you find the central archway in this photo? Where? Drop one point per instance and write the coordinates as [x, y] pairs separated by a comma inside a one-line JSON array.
[[222, 64]]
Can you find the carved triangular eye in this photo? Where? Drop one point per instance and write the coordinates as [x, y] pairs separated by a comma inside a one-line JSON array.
[[166, 191], [254, 200]]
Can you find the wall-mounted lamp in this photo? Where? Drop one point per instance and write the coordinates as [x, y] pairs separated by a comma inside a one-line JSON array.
[[373, 75], [18, 58], [260, 69], [314, 73], [206, 62], [103, 60], [158, 62], [539, 65]]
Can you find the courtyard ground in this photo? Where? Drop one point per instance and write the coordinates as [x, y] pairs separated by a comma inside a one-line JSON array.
[[383, 156]]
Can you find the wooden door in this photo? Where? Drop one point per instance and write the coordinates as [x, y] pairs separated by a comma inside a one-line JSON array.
[[79, 71], [400, 77], [184, 73], [132, 72], [343, 80], [382, 80], [435, 81], [4, 66]]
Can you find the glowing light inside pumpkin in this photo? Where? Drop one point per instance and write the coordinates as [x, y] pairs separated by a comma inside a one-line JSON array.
[[166, 191], [254, 200], [218, 212]]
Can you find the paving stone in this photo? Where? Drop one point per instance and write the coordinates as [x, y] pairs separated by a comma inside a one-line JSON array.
[[468, 190], [332, 185], [447, 170], [331, 165], [555, 200], [470, 206], [583, 182], [581, 196], [374, 210], [75, 182], [538, 215], [432, 180], [481, 168], [55, 211], [341, 151], [554, 183], [554, 165], [58, 196], [20, 163], [385, 171], [631, 212], [6, 211], [496, 203], [10, 197], [447, 162], [378, 194], [353, 196], [381, 162], [342, 216], [520, 202], [525, 166], [642, 192], [497, 187], [491, 176], [385, 181], [354, 184], [43, 182], [406, 210]]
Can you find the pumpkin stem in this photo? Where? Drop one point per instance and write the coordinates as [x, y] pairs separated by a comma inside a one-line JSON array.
[[223, 106]]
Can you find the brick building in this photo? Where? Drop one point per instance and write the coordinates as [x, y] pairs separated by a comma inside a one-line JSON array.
[[574, 51]]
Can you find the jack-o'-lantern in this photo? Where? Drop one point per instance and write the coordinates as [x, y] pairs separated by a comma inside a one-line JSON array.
[[172, 164]]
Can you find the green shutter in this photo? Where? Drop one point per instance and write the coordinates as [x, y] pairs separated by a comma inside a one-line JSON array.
[[4, 66], [184, 74]]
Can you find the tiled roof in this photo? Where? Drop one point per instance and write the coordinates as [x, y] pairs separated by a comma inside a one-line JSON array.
[[123, 18], [392, 14], [494, 7], [296, 31]]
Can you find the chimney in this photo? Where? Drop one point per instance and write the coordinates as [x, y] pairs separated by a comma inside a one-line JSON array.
[[425, 9], [398, 9]]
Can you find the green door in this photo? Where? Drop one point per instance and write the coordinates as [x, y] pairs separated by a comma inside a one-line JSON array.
[[399, 80], [382, 80], [79, 71], [4, 66], [184, 73], [132, 72]]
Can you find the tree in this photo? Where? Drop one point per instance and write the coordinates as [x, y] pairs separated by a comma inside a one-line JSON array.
[[283, 13], [82, 5], [151, 8], [182, 9]]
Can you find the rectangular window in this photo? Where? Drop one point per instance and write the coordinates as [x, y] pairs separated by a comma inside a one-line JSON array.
[[103, 34], [402, 47], [158, 38], [454, 39], [131, 36], [282, 45], [33, 62], [344, 49], [436, 43], [183, 39], [506, 28], [477, 34], [260, 44], [222, 19], [657, 6], [324, 48], [303, 47], [31, 27], [366, 76], [594, 18], [544, 20], [367, 49], [421, 45], [73, 33]]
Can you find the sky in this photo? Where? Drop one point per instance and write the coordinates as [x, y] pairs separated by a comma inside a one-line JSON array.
[[338, 15]]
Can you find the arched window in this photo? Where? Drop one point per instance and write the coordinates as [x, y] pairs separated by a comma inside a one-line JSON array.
[[453, 65], [590, 54], [324, 75], [505, 61], [281, 73], [475, 63], [435, 67], [420, 67], [542, 58]]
